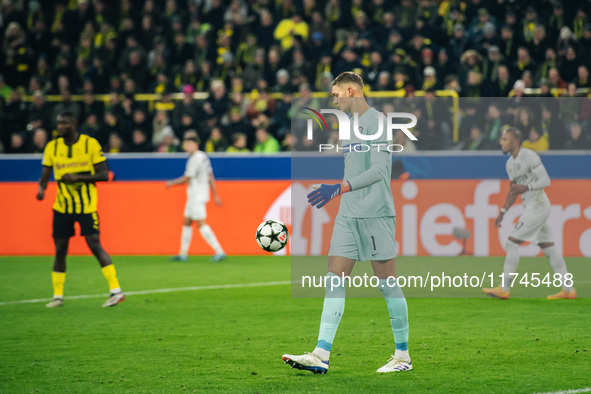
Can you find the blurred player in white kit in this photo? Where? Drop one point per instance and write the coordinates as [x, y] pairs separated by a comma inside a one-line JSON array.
[[199, 175], [528, 176]]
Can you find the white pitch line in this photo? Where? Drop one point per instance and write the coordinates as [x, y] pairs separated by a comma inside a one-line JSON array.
[[155, 291], [585, 390]]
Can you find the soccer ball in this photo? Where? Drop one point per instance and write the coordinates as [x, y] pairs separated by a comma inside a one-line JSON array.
[[272, 235]]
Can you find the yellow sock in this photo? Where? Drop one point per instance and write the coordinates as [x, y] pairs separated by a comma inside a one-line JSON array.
[[111, 277], [58, 279]]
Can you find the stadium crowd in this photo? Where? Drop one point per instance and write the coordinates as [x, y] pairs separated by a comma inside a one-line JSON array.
[[254, 57]]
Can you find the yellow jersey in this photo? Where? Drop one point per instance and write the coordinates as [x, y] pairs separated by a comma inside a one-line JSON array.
[[78, 158]]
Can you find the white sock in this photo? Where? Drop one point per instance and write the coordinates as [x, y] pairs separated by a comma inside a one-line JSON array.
[[558, 264], [210, 238], [403, 354], [511, 263], [186, 237]]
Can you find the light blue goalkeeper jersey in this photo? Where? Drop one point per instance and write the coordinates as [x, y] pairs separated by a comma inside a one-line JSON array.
[[375, 200]]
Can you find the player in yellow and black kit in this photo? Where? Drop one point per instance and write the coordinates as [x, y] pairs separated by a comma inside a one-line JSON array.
[[78, 162]]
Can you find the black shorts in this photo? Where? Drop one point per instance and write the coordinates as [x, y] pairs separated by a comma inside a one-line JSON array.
[[63, 224]]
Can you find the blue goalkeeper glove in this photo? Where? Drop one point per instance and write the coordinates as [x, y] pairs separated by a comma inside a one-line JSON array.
[[324, 193]]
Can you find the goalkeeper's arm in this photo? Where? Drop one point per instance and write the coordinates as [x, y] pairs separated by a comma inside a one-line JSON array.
[[324, 193]]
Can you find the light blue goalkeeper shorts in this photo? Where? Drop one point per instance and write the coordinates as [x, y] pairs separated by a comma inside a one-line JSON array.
[[364, 239]]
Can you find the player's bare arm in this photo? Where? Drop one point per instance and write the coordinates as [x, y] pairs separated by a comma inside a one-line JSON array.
[[509, 200], [101, 174], [214, 190], [178, 181], [45, 173], [518, 189]]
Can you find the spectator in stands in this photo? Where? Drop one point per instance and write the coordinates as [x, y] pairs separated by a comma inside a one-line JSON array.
[[384, 82], [566, 40], [474, 85], [216, 141], [5, 89], [169, 142], [15, 114], [443, 66], [245, 51], [459, 43], [286, 142], [264, 31], [548, 63], [65, 105], [282, 116], [91, 106], [493, 124], [508, 44], [544, 86], [300, 69], [91, 126], [491, 64], [570, 106], [181, 51], [140, 142], [584, 45], [536, 140], [579, 21], [470, 60], [187, 106], [429, 79], [238, 144], [17, 143], [283, 84], [187, 123], [349, 61], [554, 79], [478, 140], [551, 125], [140, 121], [111, 124], [527, 79], [407, 13], [18, 55], [39, 141], [288, 28], [254, 71], [568, 65], [556, 21], [538, 44], [582, 80], [115, 144], [216, 104], [578, 139], [529, 24], [188, 76], [135, 69], [160, 122], [39, 109], [237, 125], [272, 67], [265, 142], [452, 82], [524, 62], [99, 74]]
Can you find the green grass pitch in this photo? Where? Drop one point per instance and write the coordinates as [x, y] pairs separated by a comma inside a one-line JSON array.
[[231, 339]]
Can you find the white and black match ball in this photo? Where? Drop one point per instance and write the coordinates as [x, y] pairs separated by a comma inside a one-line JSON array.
[[272, 235]]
